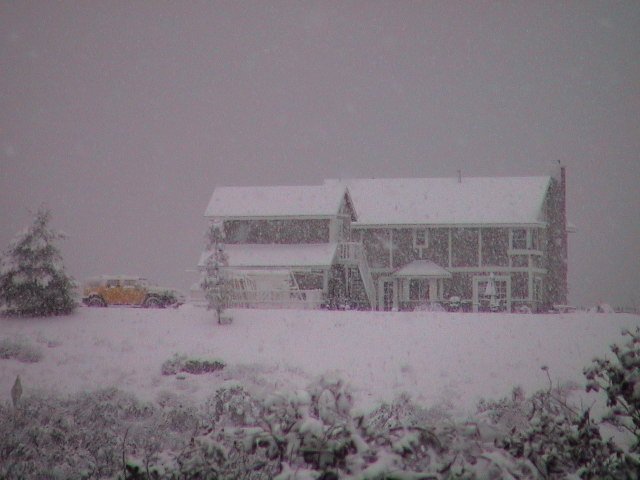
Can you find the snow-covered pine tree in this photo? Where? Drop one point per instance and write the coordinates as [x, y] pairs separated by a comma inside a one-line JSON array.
[[32, 277], [215, 284]]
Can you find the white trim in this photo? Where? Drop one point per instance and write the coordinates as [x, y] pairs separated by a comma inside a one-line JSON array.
[[490, 268], [223, 218], [519, 251], [358, 225]]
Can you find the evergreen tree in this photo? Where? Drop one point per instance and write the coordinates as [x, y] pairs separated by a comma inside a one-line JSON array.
[[32, 277], [216, 286]]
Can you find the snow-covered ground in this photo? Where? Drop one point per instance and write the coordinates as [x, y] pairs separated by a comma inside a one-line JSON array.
[[438, 358]]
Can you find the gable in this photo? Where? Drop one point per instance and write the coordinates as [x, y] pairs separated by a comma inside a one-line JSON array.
[[346, 207]]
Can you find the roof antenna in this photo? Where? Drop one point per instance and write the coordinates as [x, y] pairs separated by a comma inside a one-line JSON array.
[[459, 176]]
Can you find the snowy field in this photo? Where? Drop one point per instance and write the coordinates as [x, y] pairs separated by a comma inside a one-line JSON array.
[[443, 359]]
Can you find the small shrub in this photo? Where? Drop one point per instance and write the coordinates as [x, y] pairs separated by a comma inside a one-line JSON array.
[[232, 406], [195, 366], [173, 365], [19, 350]]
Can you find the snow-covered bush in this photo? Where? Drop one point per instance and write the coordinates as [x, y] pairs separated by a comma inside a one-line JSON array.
[[20, 350], [75, 438], [555, 437], [32, 277], [315, 434], [232, 406], [619, 379], [195, 366]]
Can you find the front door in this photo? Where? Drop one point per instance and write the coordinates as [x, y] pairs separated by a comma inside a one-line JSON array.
[[487, 298]]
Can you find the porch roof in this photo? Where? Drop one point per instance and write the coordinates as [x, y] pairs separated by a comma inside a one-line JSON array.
[[277, 255], [422, 269]]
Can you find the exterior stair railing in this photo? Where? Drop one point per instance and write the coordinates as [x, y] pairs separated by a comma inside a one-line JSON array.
[[354, 252]]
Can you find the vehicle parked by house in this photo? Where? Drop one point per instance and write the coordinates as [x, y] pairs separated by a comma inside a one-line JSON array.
[[128, 290]]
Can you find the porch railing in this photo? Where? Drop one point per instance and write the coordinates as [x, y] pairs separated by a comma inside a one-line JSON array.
[[302, 299]]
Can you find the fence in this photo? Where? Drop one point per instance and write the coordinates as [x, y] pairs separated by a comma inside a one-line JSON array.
[[299, 299]]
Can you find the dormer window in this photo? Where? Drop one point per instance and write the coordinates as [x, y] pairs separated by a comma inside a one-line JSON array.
[[420, 238]]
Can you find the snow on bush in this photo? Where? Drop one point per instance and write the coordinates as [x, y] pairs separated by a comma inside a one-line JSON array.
[[32, 277], [194, 366], [619, 379], [216, 284], [315, 434], [19, 349]]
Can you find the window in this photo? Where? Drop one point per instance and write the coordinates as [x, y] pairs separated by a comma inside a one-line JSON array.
[[519, 239], [520, 261], [420, 238]]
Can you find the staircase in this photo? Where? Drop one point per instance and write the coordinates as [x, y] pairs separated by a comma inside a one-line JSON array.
[[352, 253]]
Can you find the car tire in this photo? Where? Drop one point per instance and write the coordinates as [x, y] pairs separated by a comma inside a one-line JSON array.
[[96, 302], [153, 302]]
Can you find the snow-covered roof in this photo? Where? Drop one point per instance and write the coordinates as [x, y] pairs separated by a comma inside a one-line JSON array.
[[277, 201], [422, 268], [277, 255], [447, 201]]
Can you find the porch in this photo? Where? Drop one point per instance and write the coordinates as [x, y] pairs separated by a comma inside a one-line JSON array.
[[417, 284]]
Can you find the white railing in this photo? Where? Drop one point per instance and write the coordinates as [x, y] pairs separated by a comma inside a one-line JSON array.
[[302, 299], [354, 252]]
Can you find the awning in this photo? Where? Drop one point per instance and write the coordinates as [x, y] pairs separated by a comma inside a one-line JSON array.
[[422, 269]]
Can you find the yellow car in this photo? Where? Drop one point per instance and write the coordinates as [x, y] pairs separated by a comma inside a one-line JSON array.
[[128, 290]]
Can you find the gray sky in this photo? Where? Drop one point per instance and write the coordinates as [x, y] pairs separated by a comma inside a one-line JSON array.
[[122, 116]]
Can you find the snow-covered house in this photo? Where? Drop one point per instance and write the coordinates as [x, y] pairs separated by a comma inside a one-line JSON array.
[[491, 241], [290, 246], [494, 242]]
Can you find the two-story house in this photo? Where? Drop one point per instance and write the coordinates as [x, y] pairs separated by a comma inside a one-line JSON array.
[[488, 240], [493, 242], [290, 246]]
